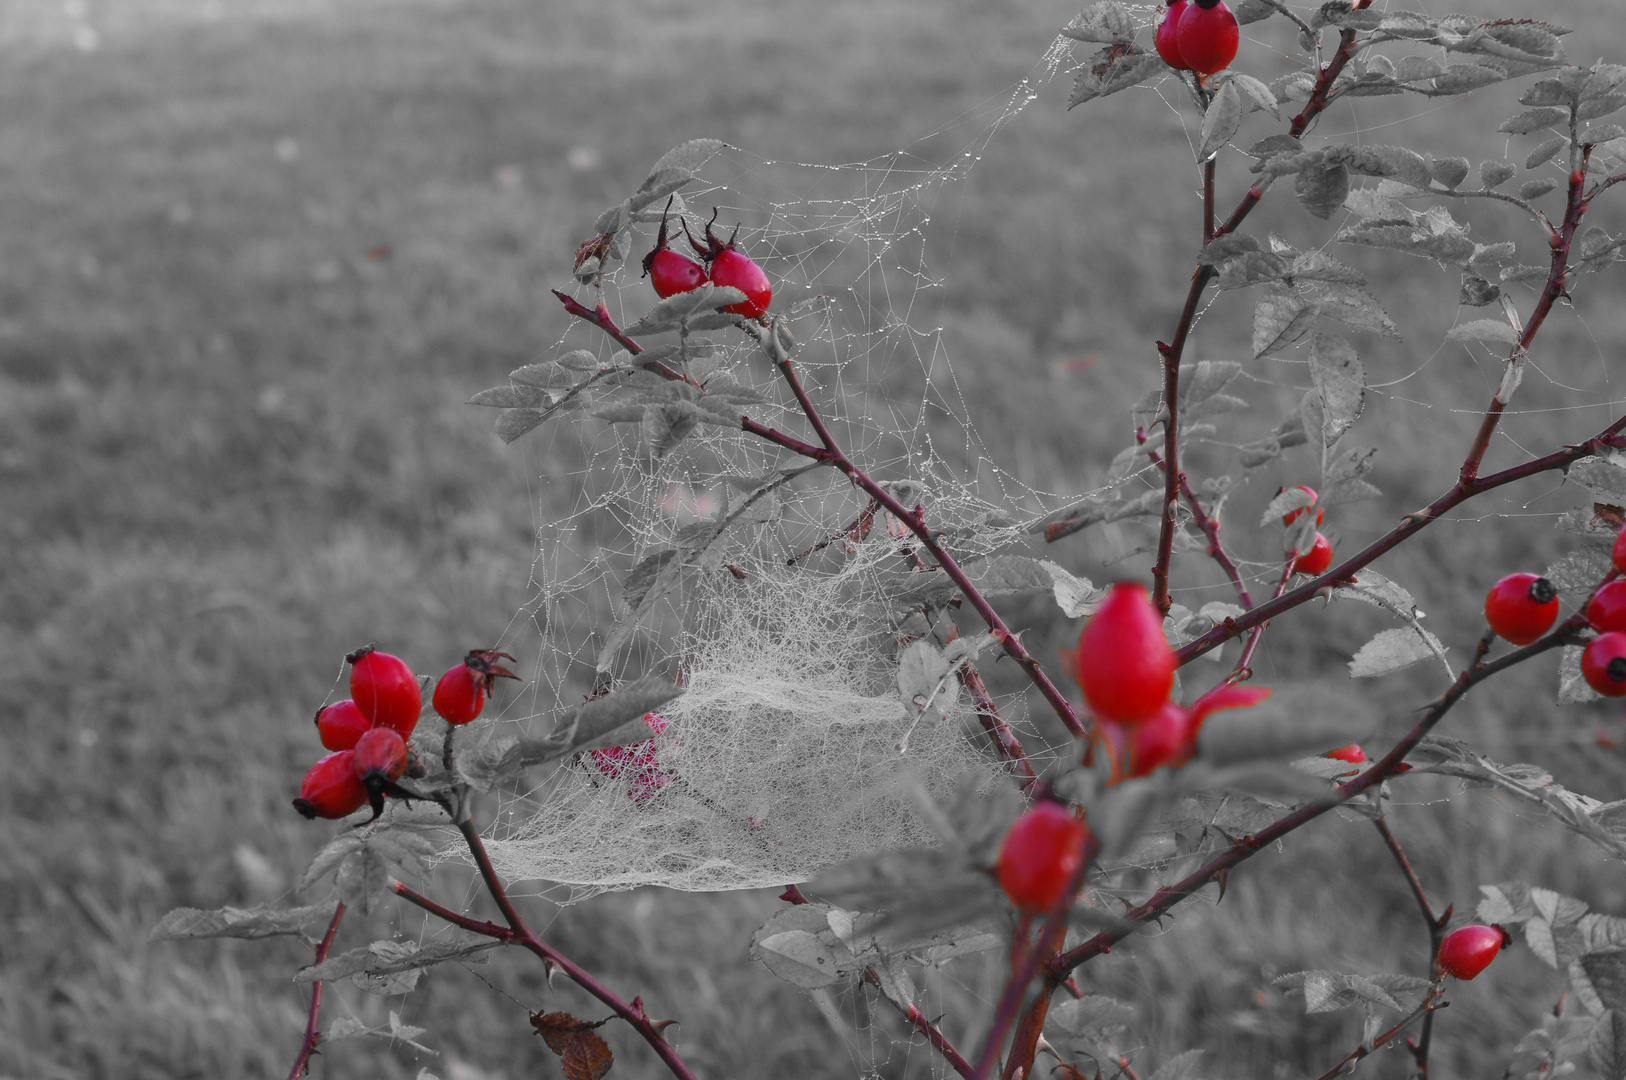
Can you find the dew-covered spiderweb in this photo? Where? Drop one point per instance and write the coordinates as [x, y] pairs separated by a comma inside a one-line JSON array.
[[767, 587]]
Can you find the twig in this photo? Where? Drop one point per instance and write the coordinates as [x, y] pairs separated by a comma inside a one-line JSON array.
[[993, 723], [1574, 208], [1210, 527], [1609, 437], [518, 933], [1436, 932], [1430, 1005], [600, 317], [1243, 669], [308, 1047], [939, 1042]]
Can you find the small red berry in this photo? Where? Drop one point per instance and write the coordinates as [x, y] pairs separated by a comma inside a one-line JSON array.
[[331, 788], [1317, 559], [461, 692], [732, 269], [635, 762], [1123, 661], [1603, 664], [1351, 753], [1162, 739], [1521, 607], [341, 724], [668, 271], [1607, 608], [1618, 555], [1039, 856], [1208, 36], [380, 753], [1468, 950], [385, 690], [1293, 515], [1168, 47]]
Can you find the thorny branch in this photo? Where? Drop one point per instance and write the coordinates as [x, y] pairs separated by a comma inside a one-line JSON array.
[[308, 1047], [1436, 932]]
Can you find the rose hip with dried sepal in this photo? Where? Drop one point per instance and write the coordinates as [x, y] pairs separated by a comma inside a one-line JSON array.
[[331, 788], [731, 268], [670, 272], [1207, 36], [380, 754], [385, 690], [341, 724], [1039, 856], [1166, 41], [1468, 950], [1521, 607], [461, 692]]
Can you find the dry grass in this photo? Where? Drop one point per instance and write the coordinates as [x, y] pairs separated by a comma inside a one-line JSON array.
[[230, 449]]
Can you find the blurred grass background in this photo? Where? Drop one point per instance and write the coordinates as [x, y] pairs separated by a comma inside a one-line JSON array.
[[232, 447]]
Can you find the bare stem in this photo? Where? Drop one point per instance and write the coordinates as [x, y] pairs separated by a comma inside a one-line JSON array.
[[1436, 932], [994, 723], [939, 1042], [1243, 670], [1574, 208], [518, 933], [1430, 1005], [308, 1047], [1210, 527]]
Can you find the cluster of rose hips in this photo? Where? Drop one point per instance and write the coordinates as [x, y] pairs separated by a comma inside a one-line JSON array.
[[672, 273], [368, 731], [1319, 557], [1197, 35], [1522, 607]]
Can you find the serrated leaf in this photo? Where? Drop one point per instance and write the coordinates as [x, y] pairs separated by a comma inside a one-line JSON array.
[[1606, 1046], [512, 396], [1201, 381], [1322, 188], [1285, 502], [799, 958], [391, 957], [667, 426], [1573, 689], [1531, 119], [1496, 330], [181, 924], [1330, 991], [1105, 22], [690, 307], [1075, 596], [1606, 976], [1392, 650], [1535, 189], [1450, 172], [1221, 121], [1600, 477], [1319, 266], [1354, 307], [1090, 1015], [1257, 93], [1544, 153], [1108, 73], [1493, 174], [1180, 1067], [1280, 318]]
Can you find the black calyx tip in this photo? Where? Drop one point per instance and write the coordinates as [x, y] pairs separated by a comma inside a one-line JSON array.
[[351, 658], [1207, 5], [1507, 938], [1542, 591], [306, 810], [1617, 669]]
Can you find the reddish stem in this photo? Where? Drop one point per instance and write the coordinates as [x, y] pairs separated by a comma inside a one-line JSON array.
[[996, 727], [1431, 1004], [308, 1047], [924, 1026], [1574, 208], [1243, 670], [1211, 529], [518, 933], [1436, 933]]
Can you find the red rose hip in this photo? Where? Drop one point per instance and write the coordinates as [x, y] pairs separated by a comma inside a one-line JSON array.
[[1603, 664], [1618, 555], [1168, 47], [385, 690], [1207, 36], [1317, 559], [1521, 607], [380, 753], [1039, 856], [1468, 950], [1351, 753], [1607, 608], [461, 692], [331, 788], [1123, 662], [668, 271], [341, 724], [733, 269]]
